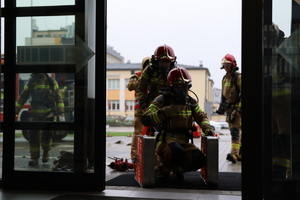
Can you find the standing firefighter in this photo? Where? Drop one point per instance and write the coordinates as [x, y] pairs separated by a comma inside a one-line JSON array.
[[138, 126], [231, 104], [154, 78], [46, 104], [175, 111]]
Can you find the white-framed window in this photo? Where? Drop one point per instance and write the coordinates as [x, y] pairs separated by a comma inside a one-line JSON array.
[[129, 105], [113, 105], [126, 82], [113, 84]]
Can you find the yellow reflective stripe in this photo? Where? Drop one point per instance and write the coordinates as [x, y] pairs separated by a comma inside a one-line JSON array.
[[197, 109], [153, 108], [235, 146], [235, 105], [282, 92], [41, 111], [141, 94], [26, 87], [18, 105], [156, 118], [282, 162], [34, 149], [227, 84], [158, 81], [45, 144], [158, 144], [184, 113], [203, 123], [145, 75], [55, 87], [41, 87], [60, 105]]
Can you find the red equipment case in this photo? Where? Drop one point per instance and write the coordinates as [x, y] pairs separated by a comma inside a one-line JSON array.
[[210, 172], [144, 170]]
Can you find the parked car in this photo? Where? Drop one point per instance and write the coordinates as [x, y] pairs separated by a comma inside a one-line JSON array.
[[215, 125], [119, 117], [128, 121], [113, 121], [223, 124]]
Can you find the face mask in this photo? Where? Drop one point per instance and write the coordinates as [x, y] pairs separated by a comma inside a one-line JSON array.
[[164, 66], [180, 92]]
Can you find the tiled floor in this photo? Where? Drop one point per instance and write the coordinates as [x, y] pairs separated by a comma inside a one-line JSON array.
[[121, 149]]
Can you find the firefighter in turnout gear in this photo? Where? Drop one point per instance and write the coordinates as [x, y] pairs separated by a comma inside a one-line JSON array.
[[154, 78], [231, 104], [46, 105], [176, 111], [138, 126], [281, 110]]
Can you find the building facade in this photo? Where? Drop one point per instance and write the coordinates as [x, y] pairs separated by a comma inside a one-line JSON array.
[[120, 101]]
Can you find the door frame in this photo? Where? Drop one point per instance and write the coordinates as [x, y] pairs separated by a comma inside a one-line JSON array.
[[79, 179]]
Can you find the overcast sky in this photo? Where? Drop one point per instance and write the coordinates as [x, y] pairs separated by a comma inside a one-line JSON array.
[[197, 30]]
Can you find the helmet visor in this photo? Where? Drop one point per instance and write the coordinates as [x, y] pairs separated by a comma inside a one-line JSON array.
[[226, 64]]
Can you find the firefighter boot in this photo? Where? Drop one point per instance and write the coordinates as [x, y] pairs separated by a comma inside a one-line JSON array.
[[163, 173], [231, 158], [33, 162], [45, 156]]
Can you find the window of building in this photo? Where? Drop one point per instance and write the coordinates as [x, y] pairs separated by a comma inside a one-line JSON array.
[[126, 82], [114, 105], [113, 84], [129, 105]]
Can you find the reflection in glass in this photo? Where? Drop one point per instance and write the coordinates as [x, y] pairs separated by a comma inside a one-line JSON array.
[[54, 30], [30, 3], [281, 108], [45, 97], [44, 149]]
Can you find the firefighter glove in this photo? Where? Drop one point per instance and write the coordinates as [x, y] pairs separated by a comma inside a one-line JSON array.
[[209, 132]]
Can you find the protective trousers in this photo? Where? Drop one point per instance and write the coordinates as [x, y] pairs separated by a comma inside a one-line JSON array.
[[281, 113], [234, 124], [39, 138], [179, 156]]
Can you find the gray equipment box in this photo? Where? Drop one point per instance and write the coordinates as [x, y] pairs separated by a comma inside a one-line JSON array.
[[210, 147]]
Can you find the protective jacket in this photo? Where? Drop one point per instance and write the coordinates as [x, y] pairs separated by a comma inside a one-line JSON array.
[[173, 148], [149, 86], [45, 97], [132, 85], [232, 94], [183, 117]]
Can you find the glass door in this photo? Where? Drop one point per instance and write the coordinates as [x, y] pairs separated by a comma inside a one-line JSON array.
[[50, 94], [283, 69]]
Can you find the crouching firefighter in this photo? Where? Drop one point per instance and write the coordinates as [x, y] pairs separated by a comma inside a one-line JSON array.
[[176, 111]]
